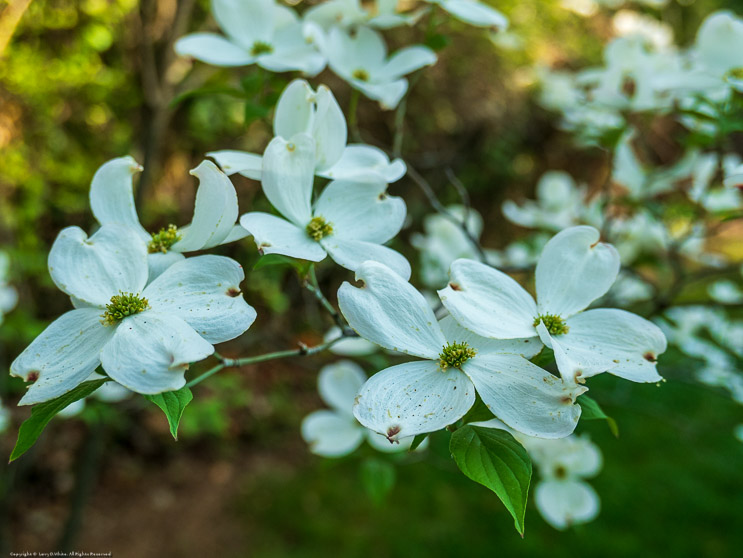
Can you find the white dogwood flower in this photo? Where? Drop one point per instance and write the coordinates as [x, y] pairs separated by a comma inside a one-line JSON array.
[[300, 109], [213, 223], [430, 394], [144, 336], [349, 221], [335, 432], [574, 269], [258, 32], [560, 203], [362, 61]]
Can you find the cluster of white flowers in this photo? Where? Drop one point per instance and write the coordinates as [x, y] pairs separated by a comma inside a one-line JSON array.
[[341, 34]]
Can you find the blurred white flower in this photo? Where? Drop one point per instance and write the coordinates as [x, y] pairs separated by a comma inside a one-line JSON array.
[[443, 242], [144, 336], [560, 204], [363, 62], [574, 269], [258, 32], [473, 12], [350, 346], [213, 223], [427, 395], [628, 22], [726, 292], [8, 294], [302, 110], [349, 221], [335, 432]]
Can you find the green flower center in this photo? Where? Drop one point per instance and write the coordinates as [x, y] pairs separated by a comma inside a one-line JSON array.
[[360, 74], [736, 73], [319, 228], [260, 47], [454, 355], [123, 305], [164, 239], [554, 324]]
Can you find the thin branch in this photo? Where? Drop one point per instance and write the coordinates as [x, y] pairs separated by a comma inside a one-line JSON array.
[[310, 283], [302, 350], [438, 206]]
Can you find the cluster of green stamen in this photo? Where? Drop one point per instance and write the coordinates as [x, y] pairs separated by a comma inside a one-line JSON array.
[[123, 305], [260, 47], [163, 239], [554, 324], [454, 355], [736, 73], [319, 228], [360, 74]]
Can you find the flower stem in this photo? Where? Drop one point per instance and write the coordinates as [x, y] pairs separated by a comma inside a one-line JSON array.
[[311, 284], [353, 123]]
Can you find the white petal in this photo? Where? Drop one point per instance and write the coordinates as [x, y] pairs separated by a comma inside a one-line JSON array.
[[488, 301], [524, 396], [63, 356], [455, 333], [574, 270], [288, 175], [352, 253], [331, 435], [563, 503], [339, 383], [111, 392], [413, 398], [294, 110], [112, 195], [475, 13], [205, 292], [294, 49], [246, 22], [349, 346], [388, 94], [407, 60], [365, 163], [231, 162], [345, 53], [150, 352], [215, 211], [274, 235], [159, 262], [389, 311], [361, 211], [213, 49], [622, 343], [94, 269], [329, 129]]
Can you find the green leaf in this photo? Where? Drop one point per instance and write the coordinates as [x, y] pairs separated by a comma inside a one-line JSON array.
[[417, 441], [378, 478], [42, 413], [254, 111], [545, 357], [437, 41], [496, 460], [172, 404], [590, 410], [302, 266], [479, 412]]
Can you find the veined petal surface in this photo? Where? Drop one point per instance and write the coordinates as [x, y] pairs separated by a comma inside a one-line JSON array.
[[274, 235], [288, 175]]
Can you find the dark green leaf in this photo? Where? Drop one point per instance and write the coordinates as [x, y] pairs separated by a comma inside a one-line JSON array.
[[172, 404], [545, 357], [417, 441], [590, 410], [378, 478], [42, 413], [302, 266], [496, 460], [478, 413], [254, 111], [437, 41]]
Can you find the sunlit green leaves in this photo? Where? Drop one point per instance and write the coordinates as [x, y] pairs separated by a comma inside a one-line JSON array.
[[172, 404]]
